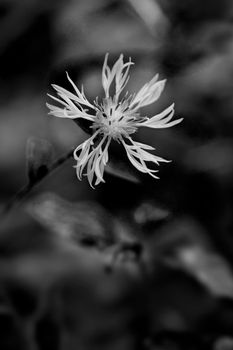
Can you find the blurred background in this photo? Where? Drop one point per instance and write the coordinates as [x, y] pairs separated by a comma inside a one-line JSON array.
[[136, 263]]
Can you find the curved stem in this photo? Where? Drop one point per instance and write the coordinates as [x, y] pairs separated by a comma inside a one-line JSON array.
[[26, 189]]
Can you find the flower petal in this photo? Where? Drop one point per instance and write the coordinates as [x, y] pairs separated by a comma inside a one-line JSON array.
[[141, 145], [138, 157], [69, 109], [161, 120], [80, 98], [93, 158], [119, 71], [149, 93]]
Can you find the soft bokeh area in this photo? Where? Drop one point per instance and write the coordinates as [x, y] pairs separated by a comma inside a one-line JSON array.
[[137, 263]]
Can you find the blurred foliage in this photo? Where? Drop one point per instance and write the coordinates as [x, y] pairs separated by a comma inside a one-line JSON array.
[[39, 158], [137, 263]]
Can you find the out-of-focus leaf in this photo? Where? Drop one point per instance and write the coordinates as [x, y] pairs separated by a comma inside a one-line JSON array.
[[102, 17], [88, 224], [148, 212], [85, 223], [150, 13], [174, 235], [120, 169], [184, 244], [209, 268], [39, 154]]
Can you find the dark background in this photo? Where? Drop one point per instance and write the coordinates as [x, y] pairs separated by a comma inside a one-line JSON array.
[[145, 265]]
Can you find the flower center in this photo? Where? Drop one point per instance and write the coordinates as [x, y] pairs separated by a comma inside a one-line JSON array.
[[115, 120]]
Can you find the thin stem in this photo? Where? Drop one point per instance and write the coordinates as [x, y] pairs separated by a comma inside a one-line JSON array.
[[26, 189]]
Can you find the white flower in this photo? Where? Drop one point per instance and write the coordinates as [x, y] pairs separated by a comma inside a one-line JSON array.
[[114, 119]]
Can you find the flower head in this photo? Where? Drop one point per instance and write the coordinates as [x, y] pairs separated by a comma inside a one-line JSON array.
[[114, 119]]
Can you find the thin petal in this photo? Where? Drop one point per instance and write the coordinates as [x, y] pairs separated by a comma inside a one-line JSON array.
[[139, 158], [93, 158], [142, 145], [84, 146], [168, 125], [169, 111], [106, 76], [149, 93], [161, 120], [64, 92], [56, 111], [81, 98], [119, 72], [69, 109], [122, 75]]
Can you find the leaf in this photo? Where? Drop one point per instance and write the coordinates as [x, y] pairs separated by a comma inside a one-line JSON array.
[[119, 169], [88, 225], [39, 154], [148, 212], [73, 68], [209, 268], [184, 244], [150, 13], [84, 223]]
